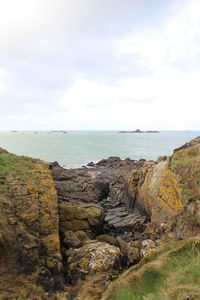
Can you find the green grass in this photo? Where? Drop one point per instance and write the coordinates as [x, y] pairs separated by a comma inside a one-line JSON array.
[[11, 164], [12, 167], [173, 274], [185, 157], [15, 171]]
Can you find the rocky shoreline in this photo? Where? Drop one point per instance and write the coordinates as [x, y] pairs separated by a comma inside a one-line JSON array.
[[67, 226]]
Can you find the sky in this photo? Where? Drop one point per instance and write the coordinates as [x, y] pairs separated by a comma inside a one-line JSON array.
[[99, 64]]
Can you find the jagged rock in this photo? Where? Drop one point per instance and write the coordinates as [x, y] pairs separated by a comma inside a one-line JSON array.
[[84, 184], [118, 189], [120, 220], [92, 184], [115, 163], [92, 258]]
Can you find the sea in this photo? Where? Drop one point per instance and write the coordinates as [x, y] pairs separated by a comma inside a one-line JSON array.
[[77, 148]]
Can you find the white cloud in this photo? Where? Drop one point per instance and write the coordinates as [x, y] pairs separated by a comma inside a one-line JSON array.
[[100, 64]]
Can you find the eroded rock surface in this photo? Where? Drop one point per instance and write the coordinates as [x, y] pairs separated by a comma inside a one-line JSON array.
[[29, 225]]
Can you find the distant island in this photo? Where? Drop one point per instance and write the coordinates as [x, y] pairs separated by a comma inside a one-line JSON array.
[[58, 131], [139, 131]]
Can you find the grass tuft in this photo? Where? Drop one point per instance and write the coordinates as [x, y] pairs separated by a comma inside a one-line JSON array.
[[172, 273]]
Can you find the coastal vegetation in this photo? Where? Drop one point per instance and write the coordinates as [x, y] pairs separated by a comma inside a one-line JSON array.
[[170, 273]]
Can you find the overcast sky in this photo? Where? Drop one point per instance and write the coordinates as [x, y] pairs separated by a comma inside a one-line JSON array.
[[99, 64]]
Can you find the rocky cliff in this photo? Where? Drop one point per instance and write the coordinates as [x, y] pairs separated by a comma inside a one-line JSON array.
[[170, 191], [62, 228], [29, 224]]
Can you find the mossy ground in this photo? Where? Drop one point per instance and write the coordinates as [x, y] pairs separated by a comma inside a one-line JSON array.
[[171, 274]]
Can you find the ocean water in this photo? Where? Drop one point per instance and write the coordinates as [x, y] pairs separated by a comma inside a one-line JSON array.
[[77, 148]]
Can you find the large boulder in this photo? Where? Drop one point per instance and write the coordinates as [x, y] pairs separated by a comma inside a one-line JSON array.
[[29, 222], [91, 258]]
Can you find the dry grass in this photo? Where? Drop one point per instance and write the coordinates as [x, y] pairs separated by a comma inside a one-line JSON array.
[[93, 286]]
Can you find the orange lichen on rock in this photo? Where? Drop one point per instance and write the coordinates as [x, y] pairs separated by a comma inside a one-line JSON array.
[[160, 193], [30, 207]]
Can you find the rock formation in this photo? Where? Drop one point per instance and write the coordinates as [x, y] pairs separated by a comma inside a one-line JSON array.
[[60, 226]]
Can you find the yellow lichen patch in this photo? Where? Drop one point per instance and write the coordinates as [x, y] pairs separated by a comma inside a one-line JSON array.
[[84, 262], [52, 243], [28, 217], [160, 192]]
